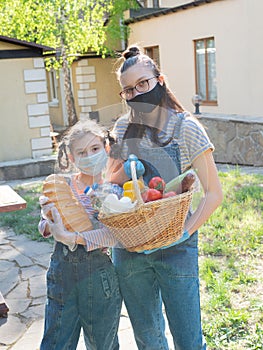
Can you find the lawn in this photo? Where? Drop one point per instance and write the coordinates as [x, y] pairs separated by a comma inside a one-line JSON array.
[[231, 264]]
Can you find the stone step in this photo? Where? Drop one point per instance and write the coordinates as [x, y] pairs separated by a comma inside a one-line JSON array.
[[27, 168]]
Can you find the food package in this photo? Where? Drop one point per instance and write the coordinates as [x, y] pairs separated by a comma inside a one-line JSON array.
[[113, 205], [74, 216]]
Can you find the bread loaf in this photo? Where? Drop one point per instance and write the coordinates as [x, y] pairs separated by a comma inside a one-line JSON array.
[[74, 216]]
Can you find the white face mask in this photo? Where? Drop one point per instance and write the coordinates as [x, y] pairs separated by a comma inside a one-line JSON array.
[[93, 165]]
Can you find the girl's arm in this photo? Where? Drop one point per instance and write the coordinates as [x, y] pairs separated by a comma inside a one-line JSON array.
[[213, 195], [94, 239]]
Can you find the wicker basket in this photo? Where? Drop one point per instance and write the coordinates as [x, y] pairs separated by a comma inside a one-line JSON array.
[[150, 225]]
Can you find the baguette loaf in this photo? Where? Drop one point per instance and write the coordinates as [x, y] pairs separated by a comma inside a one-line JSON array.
[[74, 216]]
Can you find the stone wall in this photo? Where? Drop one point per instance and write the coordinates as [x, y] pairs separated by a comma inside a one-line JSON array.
[[237, 139]]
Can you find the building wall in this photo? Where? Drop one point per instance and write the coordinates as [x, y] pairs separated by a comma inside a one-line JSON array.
[[24, 114], [96, 88], [173, 3], [237, 28], [56, 108]]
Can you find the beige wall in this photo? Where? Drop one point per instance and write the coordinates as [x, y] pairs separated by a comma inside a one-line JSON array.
[[55, 108], [96, 88], [108, 89], [15, 134], [173, 3], [56, 114], [24, 114], [238, 30]]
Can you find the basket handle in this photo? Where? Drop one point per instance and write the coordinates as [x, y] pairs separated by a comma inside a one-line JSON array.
[[135, 184]]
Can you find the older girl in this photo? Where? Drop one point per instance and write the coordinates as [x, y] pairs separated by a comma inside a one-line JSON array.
[[167, 141]]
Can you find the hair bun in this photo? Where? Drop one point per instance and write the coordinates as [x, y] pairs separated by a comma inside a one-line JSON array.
[[131, 52]]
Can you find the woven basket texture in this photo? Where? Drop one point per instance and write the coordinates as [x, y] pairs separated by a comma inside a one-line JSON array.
[[150, 225]]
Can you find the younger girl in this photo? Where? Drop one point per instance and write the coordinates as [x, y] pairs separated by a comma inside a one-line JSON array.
[[82, 286]]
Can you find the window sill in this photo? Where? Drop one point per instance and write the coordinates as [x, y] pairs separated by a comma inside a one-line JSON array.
[[209, 103]]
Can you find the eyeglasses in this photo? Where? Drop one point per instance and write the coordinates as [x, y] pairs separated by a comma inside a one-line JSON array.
[[142, 86]]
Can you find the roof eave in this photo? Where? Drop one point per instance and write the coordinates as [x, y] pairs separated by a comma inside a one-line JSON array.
[[167, 11], [26, 43]]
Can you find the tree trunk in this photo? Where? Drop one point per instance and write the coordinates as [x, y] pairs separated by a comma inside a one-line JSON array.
[[70, 103]]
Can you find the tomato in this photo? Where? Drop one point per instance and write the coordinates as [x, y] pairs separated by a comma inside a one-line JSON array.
[[157, 183], [151, 195], [169, 194]]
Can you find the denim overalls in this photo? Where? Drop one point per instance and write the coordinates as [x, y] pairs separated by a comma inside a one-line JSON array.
[[166, 275], [82, 292]]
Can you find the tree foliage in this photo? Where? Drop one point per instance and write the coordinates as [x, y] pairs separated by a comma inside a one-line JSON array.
[[71, 27], [77, 24]]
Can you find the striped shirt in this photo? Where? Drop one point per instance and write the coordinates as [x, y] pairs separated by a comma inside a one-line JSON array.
[[192, 137]]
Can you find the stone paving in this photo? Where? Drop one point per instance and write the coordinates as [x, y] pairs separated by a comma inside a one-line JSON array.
[[23, 266]]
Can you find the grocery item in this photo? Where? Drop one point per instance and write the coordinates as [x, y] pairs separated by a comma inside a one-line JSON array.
[[150, 225], [187, 182], [128, 188], [151, 194], [74, 216], [98, 193], [181, 183], [113, 205], [157, 183]]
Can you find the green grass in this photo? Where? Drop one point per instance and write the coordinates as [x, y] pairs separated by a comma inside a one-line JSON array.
[[231, 266], [231, 260], [25, 221]]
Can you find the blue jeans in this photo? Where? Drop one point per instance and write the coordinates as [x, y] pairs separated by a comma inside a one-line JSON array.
[[169, 276], [82, 292]]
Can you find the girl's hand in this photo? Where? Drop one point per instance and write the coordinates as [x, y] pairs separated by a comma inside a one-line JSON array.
[[45, 207], [59, 232]]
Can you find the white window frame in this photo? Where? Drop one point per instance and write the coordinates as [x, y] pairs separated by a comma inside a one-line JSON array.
[[208, 70]]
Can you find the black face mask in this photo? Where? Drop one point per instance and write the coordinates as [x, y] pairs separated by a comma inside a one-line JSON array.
[[146, 103]]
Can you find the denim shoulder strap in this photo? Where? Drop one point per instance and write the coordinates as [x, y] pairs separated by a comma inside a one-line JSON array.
[[178, 124]]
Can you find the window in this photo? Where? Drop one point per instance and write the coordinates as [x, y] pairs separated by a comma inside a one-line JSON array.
[[153, 52], [53, 84], [205, 70]]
